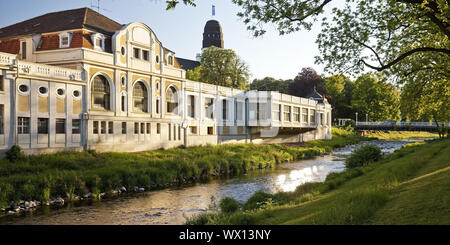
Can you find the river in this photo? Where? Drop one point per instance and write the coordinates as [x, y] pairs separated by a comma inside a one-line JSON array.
[[173, 205]]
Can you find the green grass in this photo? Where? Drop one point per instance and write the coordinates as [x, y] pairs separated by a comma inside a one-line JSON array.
[[411, 186], [67, 174], [399, 135]]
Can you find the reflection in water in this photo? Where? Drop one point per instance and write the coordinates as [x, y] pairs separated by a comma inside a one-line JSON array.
[[172, 206]]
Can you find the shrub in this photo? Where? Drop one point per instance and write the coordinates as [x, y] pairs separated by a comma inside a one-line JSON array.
[[229, 205], [258, 199], [364, 155], [15, 154]]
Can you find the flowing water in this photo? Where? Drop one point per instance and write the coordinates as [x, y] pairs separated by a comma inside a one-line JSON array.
[[173, 205]]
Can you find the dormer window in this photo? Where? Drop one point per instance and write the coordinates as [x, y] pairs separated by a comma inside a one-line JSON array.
[[64, 39], [98, 40], [170, 60]]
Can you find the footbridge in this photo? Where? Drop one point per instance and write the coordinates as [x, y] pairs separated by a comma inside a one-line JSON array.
[[401, 126]]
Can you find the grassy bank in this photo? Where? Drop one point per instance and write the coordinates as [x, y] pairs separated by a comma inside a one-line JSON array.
[[410, 186], [400, 135], [68, 174]]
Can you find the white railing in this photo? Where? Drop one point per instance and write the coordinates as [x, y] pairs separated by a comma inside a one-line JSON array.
[[7, 59], [402, 124], [50, 71], [41, 69]]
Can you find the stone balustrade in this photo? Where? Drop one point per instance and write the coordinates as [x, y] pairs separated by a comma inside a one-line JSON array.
[[29, 68]]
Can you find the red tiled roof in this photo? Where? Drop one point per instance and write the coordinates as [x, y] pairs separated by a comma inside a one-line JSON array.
[[63, 20]]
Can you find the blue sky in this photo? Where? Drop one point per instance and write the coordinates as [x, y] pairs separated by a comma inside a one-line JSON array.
[[181, 30]]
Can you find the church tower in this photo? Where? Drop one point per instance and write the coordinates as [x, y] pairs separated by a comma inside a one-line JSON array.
[[212, 35]]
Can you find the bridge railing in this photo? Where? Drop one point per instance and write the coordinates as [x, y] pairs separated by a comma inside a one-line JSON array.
[[402, 124]]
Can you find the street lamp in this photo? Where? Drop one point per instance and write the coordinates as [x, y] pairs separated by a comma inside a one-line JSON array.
[[356, 113], [367, 117]]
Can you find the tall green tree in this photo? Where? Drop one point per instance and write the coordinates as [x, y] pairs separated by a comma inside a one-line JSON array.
[[340, 89], [427, 102], [375, 97], [271, 84], [224, 68]]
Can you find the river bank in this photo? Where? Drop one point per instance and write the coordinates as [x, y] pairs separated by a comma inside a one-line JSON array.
[[71, 176], [400, 135], [410, 186]]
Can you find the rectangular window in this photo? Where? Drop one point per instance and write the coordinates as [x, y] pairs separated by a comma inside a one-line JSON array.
[[65, 41], [137, 53], [42, 125], [174, 132], [210, 130], [103, 127], [158, 128], [110, 127], [149, 128], [123, 103], [170, 131], [193, 129], [313, 117], [95, 127], [23, 125], [226, 130], [304, 115], [124, 127], [191, 106], [145, 54], [142, 128], [287, 113], [239, 107], [224, 109], [2, 119], [60, 126], [296, 114], [276, 112], [2, 83], [136, 128], [179, 132], [157, 106], [24, 50], [76, 126], [209, 111], [262, 111]]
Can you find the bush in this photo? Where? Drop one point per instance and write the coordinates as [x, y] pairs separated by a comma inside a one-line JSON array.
[[229, 205], [15, 154], [364, 155], [257, 200]]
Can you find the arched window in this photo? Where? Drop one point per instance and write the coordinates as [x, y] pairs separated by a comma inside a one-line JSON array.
[[140, 97], [172, 100], [100, 93]]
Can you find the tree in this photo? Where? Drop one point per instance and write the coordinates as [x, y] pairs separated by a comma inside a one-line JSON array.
[[397, 37], [305, 82], [340, 88], [194, 75], [375, 97], [271, 84], [427, 102], [224, 68]]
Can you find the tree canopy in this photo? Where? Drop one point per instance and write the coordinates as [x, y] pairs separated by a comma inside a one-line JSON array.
[[221, 67], [375, 97], [271, 84]]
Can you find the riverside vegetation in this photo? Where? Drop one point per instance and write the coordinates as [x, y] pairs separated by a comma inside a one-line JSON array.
[[410, 186], [71, 175]]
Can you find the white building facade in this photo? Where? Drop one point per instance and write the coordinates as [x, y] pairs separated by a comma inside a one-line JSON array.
[[123, 91]]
